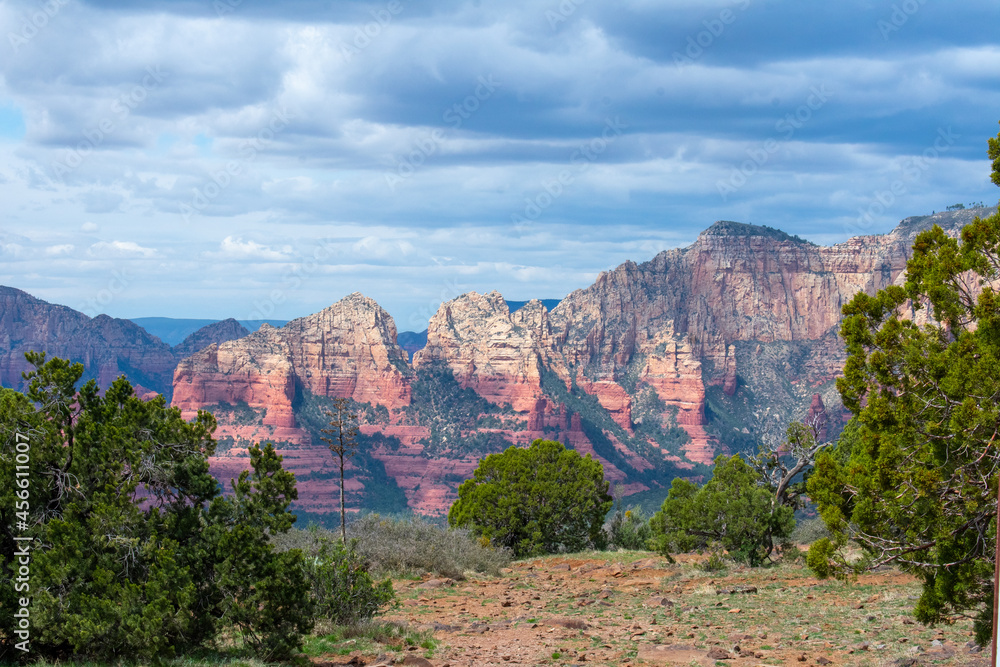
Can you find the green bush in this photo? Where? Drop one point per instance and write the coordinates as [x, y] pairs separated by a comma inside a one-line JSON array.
[[629, 529], [542, 499], [734, 507], [342, 589], [716, 563], [137, 555], [818, 559]]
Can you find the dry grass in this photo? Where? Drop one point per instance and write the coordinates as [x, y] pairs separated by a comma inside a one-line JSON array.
[[407, 547]]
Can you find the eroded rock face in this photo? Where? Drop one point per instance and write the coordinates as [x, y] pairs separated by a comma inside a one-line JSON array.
[[256, 370], [349, 350], [489, 349], [345, 351]]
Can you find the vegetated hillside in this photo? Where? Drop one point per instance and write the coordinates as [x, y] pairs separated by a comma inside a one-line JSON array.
[[653, 369]]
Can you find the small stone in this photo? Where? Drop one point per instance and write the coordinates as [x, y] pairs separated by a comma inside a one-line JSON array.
[[657, 601], [719, 654], [417, 661]]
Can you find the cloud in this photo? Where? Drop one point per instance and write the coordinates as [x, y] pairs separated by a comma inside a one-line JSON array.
[[59, 250], [462, 142], [122, 249], [235, 248], [101, 201]]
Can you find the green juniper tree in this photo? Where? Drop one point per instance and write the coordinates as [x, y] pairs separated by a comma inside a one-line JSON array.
[[735, 508], [537, 500], [136, 555], [913, 479]]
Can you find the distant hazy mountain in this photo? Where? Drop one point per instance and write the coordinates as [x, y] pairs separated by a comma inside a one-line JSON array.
[[106, 346], [518, 305], [173, 331]]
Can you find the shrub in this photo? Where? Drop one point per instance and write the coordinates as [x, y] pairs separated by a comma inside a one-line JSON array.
[[819, 556], [715, 563], [629, 529], [543, 499], [734, 508], [395, 546], [342, 589], [808, 531], [137, 554]]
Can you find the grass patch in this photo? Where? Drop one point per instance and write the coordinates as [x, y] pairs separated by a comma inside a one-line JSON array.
[[370, 637]]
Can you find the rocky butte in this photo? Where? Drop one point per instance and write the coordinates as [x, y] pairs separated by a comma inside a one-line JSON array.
[[653, 369]]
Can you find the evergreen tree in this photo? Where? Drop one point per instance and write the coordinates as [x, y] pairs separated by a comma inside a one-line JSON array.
[[735, 508], [914, 479], [542, 499], [135, 555]]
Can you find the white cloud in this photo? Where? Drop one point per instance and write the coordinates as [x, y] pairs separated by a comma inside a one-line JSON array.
[[235, 248], [59, 250], [199, 135], [124, 249]]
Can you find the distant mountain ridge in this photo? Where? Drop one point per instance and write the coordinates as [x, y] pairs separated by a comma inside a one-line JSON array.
[[173, 331], [107, 346]]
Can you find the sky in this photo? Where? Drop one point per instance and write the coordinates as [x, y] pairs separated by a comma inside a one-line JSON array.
[[251, 159]]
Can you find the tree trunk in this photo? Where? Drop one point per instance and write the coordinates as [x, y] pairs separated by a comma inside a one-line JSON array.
[[343, 513]]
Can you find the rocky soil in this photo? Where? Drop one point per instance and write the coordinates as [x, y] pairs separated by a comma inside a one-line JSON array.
[[631, 608]]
